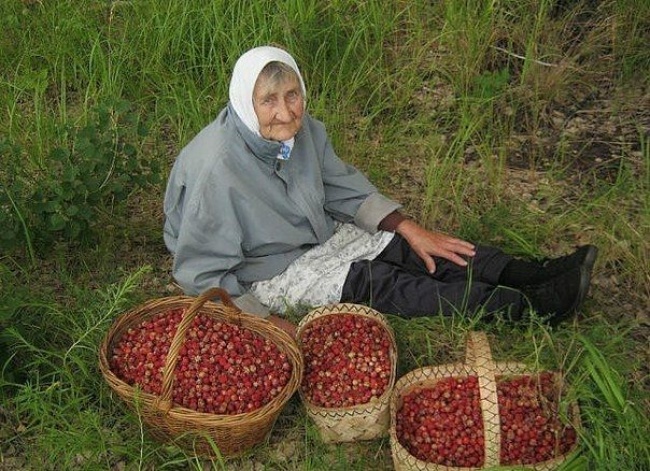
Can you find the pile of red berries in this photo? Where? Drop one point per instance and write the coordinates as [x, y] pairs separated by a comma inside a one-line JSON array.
[[443, 424], [531, 427], [222, 368], [347, 360]]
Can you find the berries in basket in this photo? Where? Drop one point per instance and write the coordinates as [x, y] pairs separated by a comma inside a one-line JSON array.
[[350, 362], [480, 414], [202, 374]]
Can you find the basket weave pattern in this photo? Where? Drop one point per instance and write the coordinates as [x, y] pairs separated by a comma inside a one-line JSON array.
[[195, 432], [478, 363], [364, 421]]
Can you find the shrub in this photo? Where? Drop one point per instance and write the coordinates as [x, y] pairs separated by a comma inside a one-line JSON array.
[[80, 183]]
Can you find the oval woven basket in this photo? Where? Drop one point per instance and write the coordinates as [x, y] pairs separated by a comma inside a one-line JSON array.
[[355, 423], [198, 433], [479, 363]]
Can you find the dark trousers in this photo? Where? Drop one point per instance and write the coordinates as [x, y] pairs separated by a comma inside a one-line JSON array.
[[397, 282]]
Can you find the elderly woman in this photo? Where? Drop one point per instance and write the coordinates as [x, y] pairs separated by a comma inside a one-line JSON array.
[[259, 204]]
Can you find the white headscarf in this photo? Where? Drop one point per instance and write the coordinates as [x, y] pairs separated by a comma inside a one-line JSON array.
[[244, 75]]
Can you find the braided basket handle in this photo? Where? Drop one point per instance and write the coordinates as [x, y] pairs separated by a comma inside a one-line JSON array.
[[231, 312]]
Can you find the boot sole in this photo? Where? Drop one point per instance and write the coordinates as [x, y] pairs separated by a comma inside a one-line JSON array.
[[588, 264], [590, 258]]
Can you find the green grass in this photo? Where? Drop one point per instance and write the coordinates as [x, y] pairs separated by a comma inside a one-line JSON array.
[[462, 110]]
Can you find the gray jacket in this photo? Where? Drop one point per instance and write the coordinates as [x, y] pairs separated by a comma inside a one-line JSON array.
[[235, 214]]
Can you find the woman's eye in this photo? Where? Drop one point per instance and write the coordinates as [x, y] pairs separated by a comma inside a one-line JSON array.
[[293, 96]]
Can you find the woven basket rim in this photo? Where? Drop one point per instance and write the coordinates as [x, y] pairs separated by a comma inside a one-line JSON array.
[[338, 308]]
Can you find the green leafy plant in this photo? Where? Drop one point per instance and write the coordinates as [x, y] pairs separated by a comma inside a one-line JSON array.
[[89, 178]]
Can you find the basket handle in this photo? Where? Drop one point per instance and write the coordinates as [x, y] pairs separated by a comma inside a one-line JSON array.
[[479, 358], [231, 311], [479, 354]]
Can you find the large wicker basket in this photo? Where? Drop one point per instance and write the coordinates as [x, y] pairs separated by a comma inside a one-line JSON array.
[[198, 433], [478, 363], [364, 421]]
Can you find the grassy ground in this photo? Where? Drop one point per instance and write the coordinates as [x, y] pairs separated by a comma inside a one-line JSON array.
[[523, 124]]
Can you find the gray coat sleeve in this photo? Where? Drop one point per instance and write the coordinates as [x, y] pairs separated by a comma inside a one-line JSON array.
[[350, 196], [373, 210], [206, 251], [204, 262]]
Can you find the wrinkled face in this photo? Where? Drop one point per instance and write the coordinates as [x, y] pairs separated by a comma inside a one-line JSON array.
[[279, 106]]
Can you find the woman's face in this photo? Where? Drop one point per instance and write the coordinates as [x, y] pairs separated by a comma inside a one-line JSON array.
[[279, 108]]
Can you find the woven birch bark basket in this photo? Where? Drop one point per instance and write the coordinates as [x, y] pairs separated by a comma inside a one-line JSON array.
[[199, 433], [360, 422], [478, 363]]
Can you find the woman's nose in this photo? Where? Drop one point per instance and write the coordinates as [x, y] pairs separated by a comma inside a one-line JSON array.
[[283, 112]]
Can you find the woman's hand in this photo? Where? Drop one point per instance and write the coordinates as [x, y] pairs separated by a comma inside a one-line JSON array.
[[289, 327], [428, 244]]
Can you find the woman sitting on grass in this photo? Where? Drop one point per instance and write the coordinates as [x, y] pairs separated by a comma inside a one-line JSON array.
[[259, 204]]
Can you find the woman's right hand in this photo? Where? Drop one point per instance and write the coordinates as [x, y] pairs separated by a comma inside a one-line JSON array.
[[428, 244]]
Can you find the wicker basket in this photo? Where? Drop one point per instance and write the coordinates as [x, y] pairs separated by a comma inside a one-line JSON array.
[[478, 363], [364, 421], [198, 433]]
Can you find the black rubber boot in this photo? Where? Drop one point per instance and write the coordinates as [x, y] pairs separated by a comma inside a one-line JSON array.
[[559, 298], [585, 255], [521, 273]]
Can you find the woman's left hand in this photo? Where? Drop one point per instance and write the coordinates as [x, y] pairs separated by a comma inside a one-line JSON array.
[[428, 244]]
